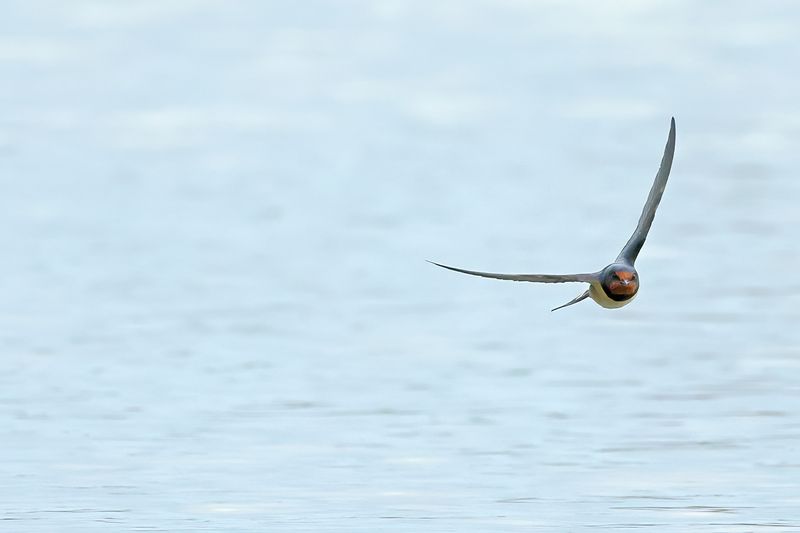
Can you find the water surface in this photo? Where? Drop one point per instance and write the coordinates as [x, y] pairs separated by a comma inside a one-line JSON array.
[[216, 313]]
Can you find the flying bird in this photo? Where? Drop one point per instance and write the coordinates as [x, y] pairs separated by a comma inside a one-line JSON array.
[[617, 284]]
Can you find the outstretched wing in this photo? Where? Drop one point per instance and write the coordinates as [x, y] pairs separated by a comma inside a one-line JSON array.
[[631, 250], [537, 278], [575, 300]]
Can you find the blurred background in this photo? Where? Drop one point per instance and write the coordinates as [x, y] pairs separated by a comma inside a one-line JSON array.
[[216, 314]]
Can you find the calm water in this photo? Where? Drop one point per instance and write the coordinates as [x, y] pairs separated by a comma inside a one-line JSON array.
[[216, 313]]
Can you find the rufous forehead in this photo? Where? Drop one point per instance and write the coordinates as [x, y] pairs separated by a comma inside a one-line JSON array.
[[625, 276]]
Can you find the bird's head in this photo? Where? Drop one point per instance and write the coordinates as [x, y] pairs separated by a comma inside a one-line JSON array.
[[620, 282]]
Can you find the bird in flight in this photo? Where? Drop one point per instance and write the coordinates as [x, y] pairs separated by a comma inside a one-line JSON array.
[[617, 284]]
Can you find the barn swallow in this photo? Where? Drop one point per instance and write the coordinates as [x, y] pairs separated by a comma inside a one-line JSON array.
[[617, 284]]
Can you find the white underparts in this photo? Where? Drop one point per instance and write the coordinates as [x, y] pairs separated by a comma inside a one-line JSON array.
[[597, 294]]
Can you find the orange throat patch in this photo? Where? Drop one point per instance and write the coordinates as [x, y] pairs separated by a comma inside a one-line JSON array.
[[625, 276], [621, 289]]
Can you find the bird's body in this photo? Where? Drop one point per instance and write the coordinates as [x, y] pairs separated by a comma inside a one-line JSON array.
[[616, 288], [617, 284], [602, 299]]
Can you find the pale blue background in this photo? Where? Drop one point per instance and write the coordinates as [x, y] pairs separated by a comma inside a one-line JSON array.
[[215, 312]]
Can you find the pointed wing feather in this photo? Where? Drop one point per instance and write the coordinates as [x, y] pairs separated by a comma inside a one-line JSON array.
[[537, 278], [575, 300], [634, 245]]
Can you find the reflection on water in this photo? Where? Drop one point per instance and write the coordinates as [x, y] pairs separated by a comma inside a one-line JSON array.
[[216, 311]]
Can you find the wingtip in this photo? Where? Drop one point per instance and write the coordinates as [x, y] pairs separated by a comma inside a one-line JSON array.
[[434, 263]]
